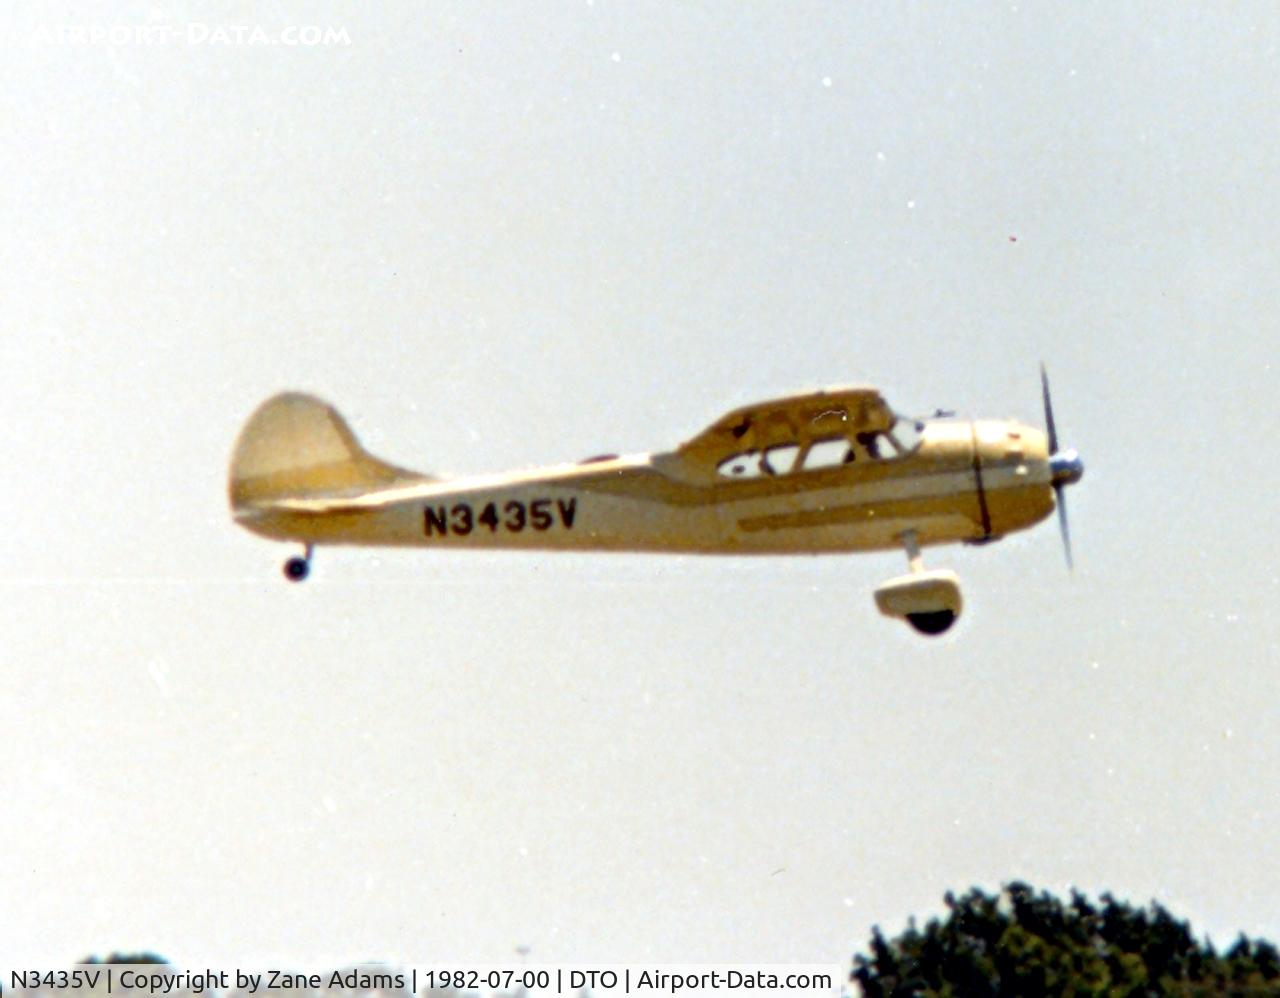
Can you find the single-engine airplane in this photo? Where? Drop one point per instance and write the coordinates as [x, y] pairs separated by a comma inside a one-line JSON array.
[[826, 471]]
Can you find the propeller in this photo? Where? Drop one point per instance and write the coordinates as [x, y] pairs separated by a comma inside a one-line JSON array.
[[1065, 466]]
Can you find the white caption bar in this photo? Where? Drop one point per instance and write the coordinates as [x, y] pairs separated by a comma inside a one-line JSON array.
[[429, 981]]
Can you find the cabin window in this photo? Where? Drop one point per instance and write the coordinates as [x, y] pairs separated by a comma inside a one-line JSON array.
[[833, 453], [744, 465], [780, 460]]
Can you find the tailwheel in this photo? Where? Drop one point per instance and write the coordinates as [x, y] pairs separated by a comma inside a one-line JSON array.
[[297, 568]]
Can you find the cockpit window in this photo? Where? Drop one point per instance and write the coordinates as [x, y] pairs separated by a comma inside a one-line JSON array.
[[836, 452], [780, 460], [906, 433], [832, 453], [882, 446], [876, 445]]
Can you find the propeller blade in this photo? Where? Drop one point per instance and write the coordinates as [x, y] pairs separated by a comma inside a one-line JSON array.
[[1062, 522], [1048, 412]]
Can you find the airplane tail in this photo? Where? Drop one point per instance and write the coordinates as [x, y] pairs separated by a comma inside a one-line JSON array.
[[296, 446]]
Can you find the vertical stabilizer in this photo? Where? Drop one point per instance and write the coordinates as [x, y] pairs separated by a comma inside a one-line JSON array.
[[298, 446]]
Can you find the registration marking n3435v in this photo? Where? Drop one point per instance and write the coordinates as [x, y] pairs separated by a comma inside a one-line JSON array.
[[512, 516]]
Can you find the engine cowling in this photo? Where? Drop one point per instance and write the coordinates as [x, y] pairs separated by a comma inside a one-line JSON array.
[[928, 601]]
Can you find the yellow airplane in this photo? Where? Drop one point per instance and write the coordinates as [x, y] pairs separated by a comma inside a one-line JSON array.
[[827, 471]]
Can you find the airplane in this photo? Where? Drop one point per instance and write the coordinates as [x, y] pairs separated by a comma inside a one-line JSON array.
[[819, 472]]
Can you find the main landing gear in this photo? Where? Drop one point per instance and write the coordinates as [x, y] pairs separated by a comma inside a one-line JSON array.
[[928, 601], [297, 568]]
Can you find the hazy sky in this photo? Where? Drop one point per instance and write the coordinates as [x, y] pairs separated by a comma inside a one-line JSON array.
[[503, 235]]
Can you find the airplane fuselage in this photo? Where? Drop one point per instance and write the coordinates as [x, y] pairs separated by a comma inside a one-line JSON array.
[[966, 481]]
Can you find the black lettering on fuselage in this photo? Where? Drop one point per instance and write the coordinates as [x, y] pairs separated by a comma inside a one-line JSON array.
[[436, 520], [461, 524], [460, 519]]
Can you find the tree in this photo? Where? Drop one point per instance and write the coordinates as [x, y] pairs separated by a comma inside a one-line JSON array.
[[1021, 943]]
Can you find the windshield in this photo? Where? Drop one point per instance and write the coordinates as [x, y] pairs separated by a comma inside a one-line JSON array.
[[906, 433]]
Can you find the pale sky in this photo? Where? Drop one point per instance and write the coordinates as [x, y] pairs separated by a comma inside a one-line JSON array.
[[497, 236]]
